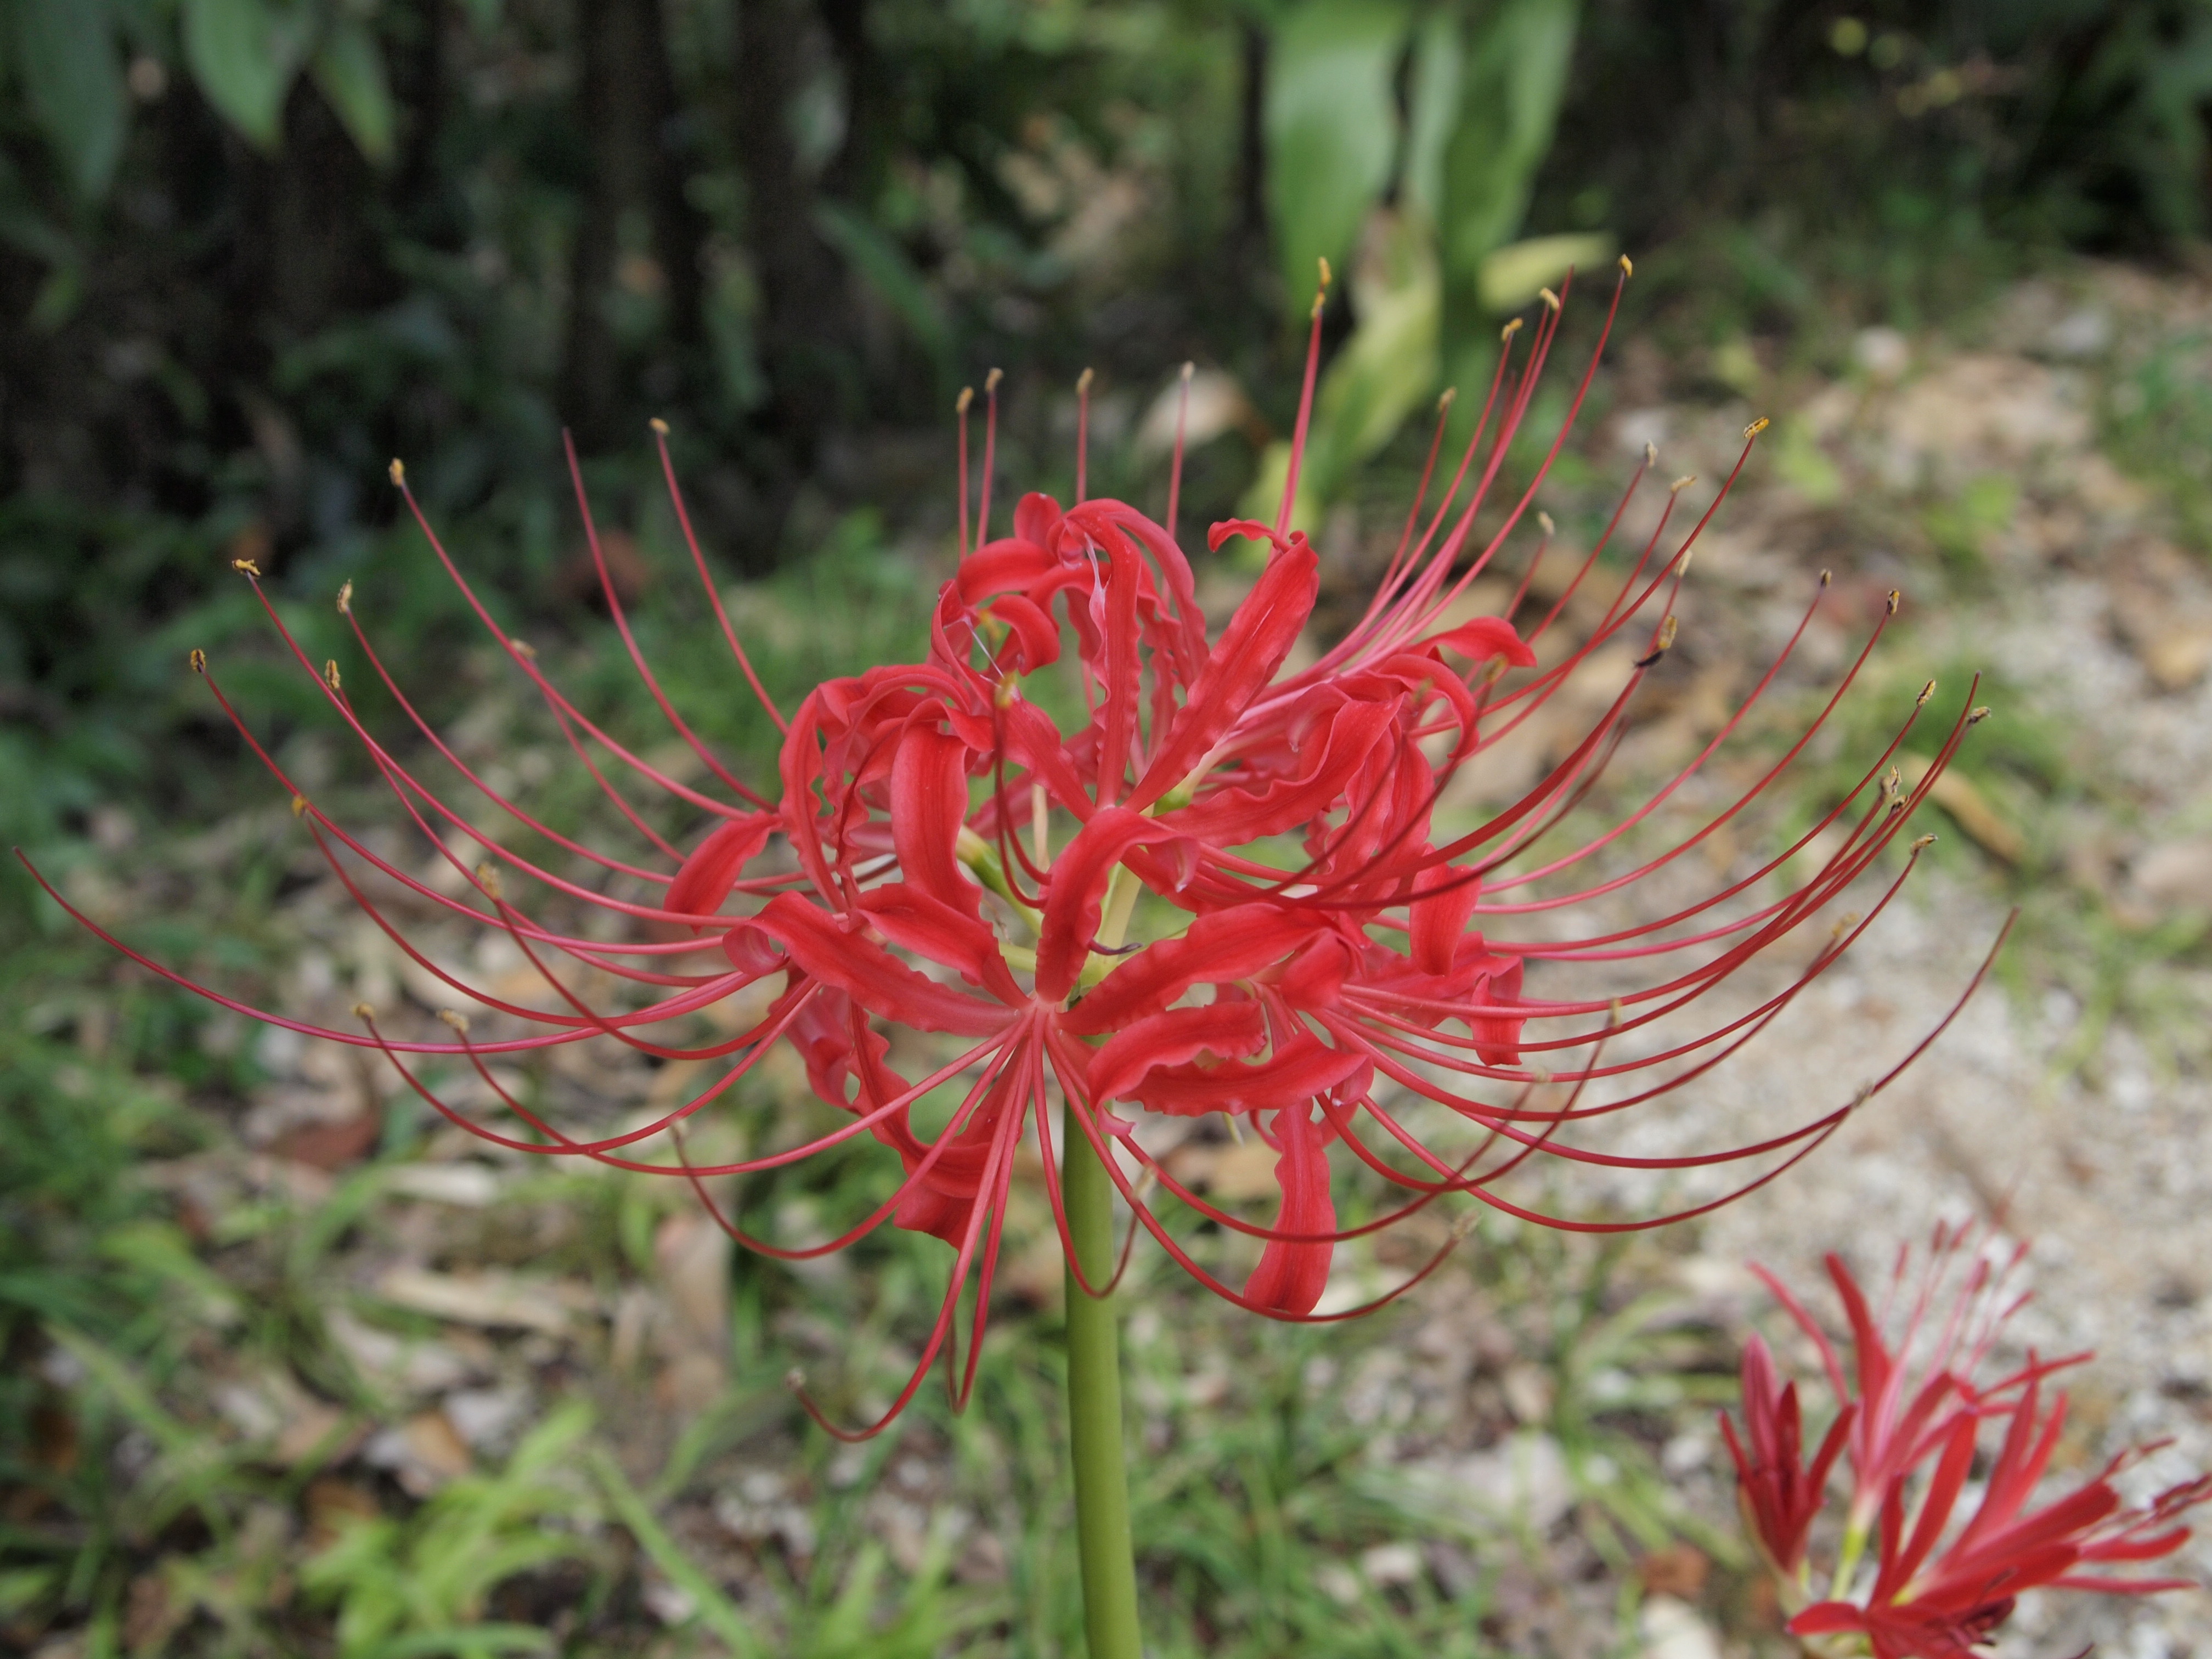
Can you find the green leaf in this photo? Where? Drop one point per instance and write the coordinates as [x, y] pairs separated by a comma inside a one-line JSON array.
[[1379, 375], [1510, 277], [350, 69], [244, 55], [1439, 65], [1513, 75], [715, 1610], [26, 231], [58, 298], [1516, 73], [74, 85], [464, 1642], [883, 265], [1332, 128]]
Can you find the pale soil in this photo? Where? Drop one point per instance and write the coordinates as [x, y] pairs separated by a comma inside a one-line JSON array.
[[2032, 1117], [2065, 1106]]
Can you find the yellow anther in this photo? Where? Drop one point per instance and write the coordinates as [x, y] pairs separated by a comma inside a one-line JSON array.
[[1827, 576], [1926, 692], [455, 1018], [1450, 396], [524, 649], [1326, 274], [1682, 483], [398, 470], [1548, 298], [345, 599], [365, 1011], [1650, 455], [1894, 600], [246, 567], [1922, 843], [1544, 523], [1980, 712], [487, 879], [197, 659], [1757, 427], [1512, 327], [967, 398], [659, 426], [1627, 266], [1667, 630], [991, 380], [330, 674], [1083, 381], [299, 807]]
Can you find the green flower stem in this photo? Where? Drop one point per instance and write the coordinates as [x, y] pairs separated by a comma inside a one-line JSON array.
[[1103, 1539], [1847, 1558]]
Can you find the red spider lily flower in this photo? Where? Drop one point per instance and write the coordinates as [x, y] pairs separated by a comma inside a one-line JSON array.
[[1315, 956], [1938, 1591], [1906, 1398], [1779, 1495]]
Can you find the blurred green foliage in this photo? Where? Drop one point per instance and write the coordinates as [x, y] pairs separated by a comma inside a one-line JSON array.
[[253, 248], [250, 249]]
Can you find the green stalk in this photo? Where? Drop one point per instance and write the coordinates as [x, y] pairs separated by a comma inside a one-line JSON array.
[[1103, 1539]]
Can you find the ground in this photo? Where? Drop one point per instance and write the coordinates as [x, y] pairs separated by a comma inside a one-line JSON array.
[[402, 1392]]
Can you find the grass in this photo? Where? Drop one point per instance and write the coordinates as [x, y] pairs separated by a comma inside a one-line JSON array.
[[154, 1275]]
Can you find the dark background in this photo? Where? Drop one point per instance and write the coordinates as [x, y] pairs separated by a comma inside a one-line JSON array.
[[233, 286]]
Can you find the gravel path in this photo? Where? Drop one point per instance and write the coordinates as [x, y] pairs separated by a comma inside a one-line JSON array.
[[2070, 1107]]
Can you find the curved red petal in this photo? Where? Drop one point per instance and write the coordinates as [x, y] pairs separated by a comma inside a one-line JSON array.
[[1296, 1073], [1251, 649], [1484, 638], [713, 868], [1230, 1030], [1293, 1274], [1218, 949], [872, 975], [929, 803]]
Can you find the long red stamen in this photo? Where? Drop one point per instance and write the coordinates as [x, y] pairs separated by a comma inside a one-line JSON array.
[[990, 454], [706, 580], [1305, 406], [1082, 431], [1175, 466]]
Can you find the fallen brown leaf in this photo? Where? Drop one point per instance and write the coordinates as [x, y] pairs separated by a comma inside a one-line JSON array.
[[2176, 658], [490, 1299], [1240, 1169], [1680, 1570], [1970, 809], [332, 1504]]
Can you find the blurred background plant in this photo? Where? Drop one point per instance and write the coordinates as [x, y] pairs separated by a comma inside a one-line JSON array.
[[252, 249]]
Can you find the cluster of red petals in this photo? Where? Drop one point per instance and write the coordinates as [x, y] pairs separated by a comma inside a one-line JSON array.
[[953, 861], [1913, 1416]]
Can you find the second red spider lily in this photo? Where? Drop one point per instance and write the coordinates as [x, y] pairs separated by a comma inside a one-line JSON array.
[[1916, 1417], [1224, 888]]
